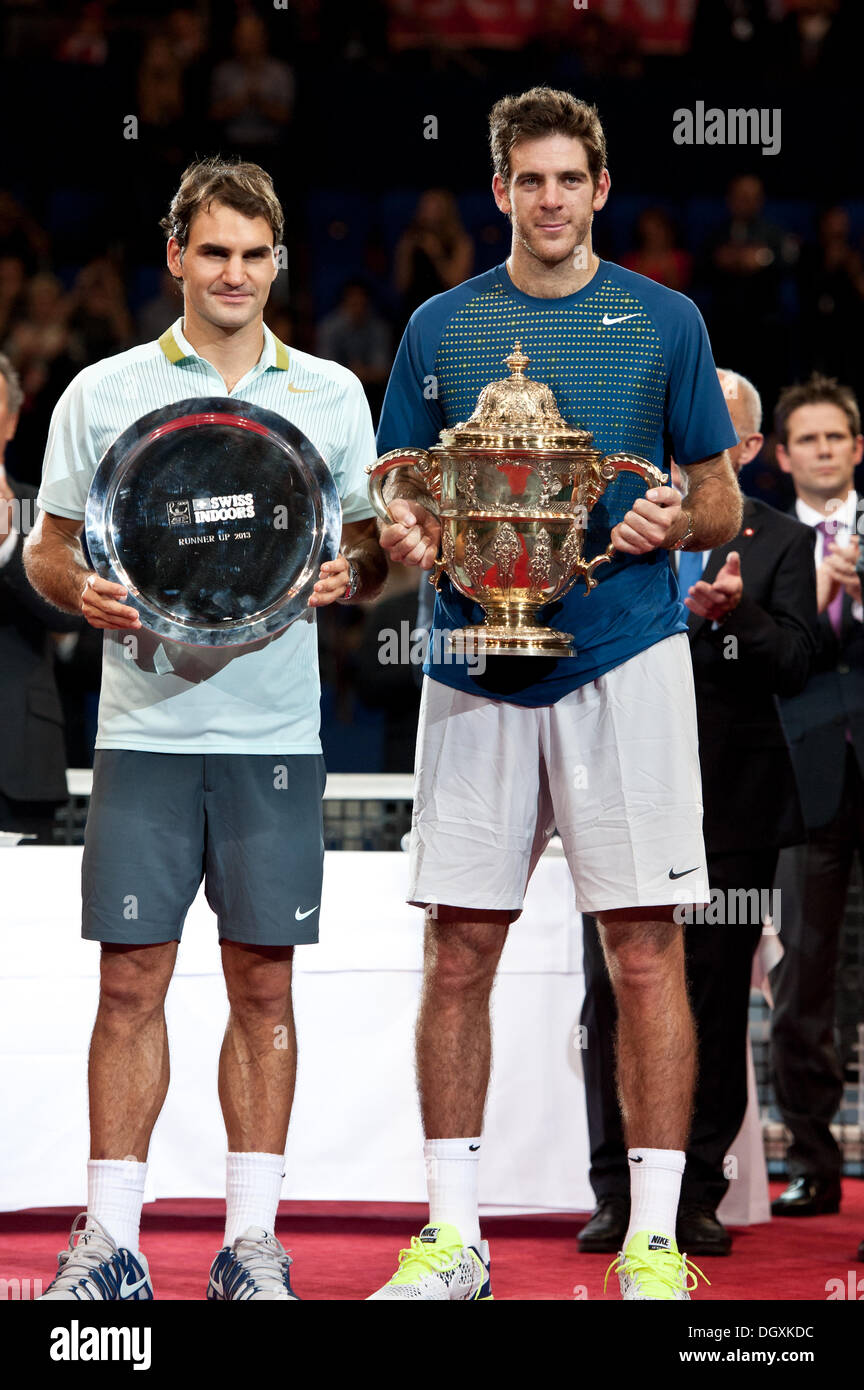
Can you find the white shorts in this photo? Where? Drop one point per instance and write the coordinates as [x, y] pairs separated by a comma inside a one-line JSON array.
[[613, 766]]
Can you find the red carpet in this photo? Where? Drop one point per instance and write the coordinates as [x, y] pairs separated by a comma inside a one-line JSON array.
[[346, 1250]]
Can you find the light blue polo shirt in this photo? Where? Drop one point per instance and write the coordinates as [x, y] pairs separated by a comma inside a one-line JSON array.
[[159, 696]]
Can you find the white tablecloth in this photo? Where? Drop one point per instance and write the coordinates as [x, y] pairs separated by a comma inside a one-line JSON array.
[[355, 1133]]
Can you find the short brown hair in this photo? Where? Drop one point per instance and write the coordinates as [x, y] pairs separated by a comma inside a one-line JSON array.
[[544, 111], [816, 390], [246, 188]]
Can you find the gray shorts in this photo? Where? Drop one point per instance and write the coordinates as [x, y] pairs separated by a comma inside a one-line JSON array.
[[250, 825]]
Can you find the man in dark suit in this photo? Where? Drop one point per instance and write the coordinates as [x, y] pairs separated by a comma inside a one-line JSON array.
[[818, 428], [752, 635], [32, 751]]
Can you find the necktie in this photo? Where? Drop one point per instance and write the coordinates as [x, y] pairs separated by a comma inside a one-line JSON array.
[[689, 569], [835, 607]]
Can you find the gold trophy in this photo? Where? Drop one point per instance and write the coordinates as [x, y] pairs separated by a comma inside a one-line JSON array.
[[512, 487]]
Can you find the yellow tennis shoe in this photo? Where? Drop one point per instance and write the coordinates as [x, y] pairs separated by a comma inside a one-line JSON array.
[[438, 1266], [651, 1267]]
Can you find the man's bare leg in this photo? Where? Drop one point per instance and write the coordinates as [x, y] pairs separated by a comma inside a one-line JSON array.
[[656, 1056], [129, 1066], [258, 1062], [454, 1037], [454, 1054], [257, 1071], [128, 1079]]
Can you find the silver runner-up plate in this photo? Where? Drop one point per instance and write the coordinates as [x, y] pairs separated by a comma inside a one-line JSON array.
[[216, 515]]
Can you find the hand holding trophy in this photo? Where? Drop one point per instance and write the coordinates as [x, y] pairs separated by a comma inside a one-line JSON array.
[[513, 487]]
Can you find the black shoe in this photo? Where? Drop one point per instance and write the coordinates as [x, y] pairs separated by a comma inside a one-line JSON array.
[[698, 1231], [807, 1196], [604, 1233]]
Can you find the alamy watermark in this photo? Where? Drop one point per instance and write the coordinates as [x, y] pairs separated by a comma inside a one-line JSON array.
[[409, 646], [734, 907], [735, 126]]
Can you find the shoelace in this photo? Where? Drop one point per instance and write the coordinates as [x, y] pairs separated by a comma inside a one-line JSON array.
[[89, 1245], [663, 1270], [426, 1257], [258, 1258]]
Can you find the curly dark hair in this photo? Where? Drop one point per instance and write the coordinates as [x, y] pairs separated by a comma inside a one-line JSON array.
[[544, 111]]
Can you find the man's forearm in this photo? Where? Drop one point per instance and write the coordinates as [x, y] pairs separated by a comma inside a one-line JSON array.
[[57, 569], [713, 506]]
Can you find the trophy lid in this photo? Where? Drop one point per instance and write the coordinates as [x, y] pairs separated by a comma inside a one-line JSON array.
[[516, 413]]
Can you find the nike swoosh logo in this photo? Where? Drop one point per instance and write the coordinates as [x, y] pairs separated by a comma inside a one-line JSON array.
[[622, 318], [473, 1148], [301, 390], [684, 872], [300, 915], [127, 1289], [635, 1160]]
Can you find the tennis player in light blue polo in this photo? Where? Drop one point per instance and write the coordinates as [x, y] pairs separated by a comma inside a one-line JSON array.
[[208, 765]]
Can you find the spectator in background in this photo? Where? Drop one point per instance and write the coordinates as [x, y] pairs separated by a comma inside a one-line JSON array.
[[831, 293], [46, 355], [818, 426], [759, 591], [355, 33], [253, 94], [20, 235], [746, 263], [87, 43], [187, 35], [160, 85], [818, 40], [434, 253], [32, 752], [656, 254], [99, 315], [730, 36], [42, 334], [359, 338]]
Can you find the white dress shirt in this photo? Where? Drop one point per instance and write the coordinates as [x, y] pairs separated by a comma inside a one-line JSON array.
[[844, 520]]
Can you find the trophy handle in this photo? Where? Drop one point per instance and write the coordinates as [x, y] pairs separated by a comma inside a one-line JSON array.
[[612, 465], [422, 472]]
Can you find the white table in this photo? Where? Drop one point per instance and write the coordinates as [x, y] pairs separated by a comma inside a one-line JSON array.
[[355, 1133]]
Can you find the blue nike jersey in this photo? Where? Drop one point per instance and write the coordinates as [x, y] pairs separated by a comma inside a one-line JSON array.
[[628, 360]]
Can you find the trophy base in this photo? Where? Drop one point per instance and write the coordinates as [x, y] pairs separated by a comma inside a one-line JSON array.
[[498, 640]]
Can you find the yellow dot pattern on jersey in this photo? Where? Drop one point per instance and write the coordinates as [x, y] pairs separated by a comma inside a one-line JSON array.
[[609, 378]]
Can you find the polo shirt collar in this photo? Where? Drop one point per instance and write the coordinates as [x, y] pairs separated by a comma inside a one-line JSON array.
[[177, 349]]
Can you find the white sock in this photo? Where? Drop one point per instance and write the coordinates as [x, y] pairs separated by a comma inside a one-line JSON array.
[[655, 1186], [115, 1196], [253, 1185], [452, 1167]]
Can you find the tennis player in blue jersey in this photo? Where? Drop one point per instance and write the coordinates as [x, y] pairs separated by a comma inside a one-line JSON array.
[[601, 745]]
